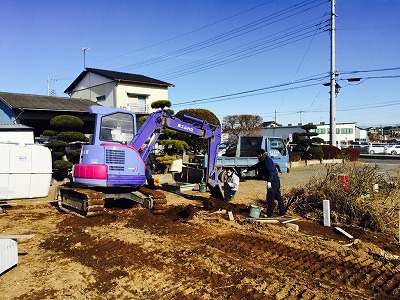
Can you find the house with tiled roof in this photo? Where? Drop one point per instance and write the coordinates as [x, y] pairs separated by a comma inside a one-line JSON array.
[[36, 111], [117, 89]]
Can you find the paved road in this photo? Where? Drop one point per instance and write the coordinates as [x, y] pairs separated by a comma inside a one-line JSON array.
[[388, 163]]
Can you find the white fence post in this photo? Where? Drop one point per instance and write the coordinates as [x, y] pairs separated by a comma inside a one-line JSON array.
[[327, 212]]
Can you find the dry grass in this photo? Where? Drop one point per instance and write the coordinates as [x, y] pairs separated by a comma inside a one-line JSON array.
[[355, 201]]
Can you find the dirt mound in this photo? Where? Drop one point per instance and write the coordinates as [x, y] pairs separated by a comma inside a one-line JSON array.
[[214, 204]]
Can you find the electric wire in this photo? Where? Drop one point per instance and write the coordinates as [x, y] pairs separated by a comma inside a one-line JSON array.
[[242, 52], [250, 27], [186, 33]]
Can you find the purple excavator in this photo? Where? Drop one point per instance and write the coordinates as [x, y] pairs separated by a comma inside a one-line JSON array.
[[111, 166]]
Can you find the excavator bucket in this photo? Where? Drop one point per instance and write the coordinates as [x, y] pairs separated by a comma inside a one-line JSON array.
[[218, 191]]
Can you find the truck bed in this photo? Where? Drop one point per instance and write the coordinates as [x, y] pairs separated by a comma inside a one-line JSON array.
[[235, 161]]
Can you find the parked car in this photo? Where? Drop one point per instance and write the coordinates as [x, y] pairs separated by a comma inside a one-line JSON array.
[[393, 149], [362, 146], [377, 148]]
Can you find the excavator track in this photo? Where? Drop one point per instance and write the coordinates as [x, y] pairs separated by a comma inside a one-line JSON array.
[[88, 202], [81, 201], [159, 200]]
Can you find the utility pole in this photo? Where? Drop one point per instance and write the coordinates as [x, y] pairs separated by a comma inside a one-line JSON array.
[[48, 86], [84, 55], [52, 92], [332, 135], [300, 111]]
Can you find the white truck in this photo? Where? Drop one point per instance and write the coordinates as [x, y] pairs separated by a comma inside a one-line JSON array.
[[246, 154]]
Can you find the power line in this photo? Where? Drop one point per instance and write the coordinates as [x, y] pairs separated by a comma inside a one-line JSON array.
[[307, 79], [187, 33], [243, 52], [250, 27], [229, 96]]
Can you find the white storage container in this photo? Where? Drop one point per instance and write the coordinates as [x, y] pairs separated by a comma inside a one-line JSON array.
[[25, 171], [8, 254]]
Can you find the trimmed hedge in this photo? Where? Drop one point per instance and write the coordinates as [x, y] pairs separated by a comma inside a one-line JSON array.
[[330, 152], [62, 165], [71, 136], [66, 121], [351, 154]]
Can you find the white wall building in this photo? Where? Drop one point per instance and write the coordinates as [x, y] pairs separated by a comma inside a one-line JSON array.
[[345, 133], [116, 89]]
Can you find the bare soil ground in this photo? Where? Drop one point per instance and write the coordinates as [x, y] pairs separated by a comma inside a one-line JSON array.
[[193, 253]]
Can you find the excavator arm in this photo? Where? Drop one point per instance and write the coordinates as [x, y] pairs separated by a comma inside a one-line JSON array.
[[157, 121]]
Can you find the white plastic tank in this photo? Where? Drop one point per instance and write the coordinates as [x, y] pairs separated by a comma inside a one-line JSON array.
[[25, 171], [8, 254]]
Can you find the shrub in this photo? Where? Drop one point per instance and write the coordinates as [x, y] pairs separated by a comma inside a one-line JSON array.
[[161, 104], [330, 152], [316, 152], [66, 121], [49, 133], [353, 201], [351, 154], [74, 156], [295, 156], [57, 143], [62, 165], [199, 113], [165, 160], [202, 114], [174, 146], [57, 154], [71, 136]]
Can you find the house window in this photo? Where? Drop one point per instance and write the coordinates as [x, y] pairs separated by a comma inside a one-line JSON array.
[[142, 103], [101, 98], [137, 102]]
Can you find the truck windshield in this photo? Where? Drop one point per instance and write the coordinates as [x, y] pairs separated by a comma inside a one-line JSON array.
[[116, 127]]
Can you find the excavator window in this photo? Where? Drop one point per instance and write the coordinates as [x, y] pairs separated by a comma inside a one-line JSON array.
[[117, 127]]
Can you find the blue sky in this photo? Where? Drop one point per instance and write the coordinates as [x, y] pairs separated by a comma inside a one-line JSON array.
[[216, 52]]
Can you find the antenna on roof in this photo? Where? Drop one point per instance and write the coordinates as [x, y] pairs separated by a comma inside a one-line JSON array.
[[84, 55]]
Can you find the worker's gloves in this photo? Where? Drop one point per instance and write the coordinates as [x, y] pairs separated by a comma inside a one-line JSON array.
[[269, 185]]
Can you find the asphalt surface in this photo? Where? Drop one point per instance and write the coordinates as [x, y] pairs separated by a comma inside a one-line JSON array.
[[387, 163]]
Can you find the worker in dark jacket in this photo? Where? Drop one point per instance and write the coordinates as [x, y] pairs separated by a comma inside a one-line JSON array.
[[150, 164], [270, 173]]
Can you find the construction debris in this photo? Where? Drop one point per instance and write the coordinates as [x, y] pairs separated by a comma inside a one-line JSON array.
[[344, 232], [17, 236], [295, 227]]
